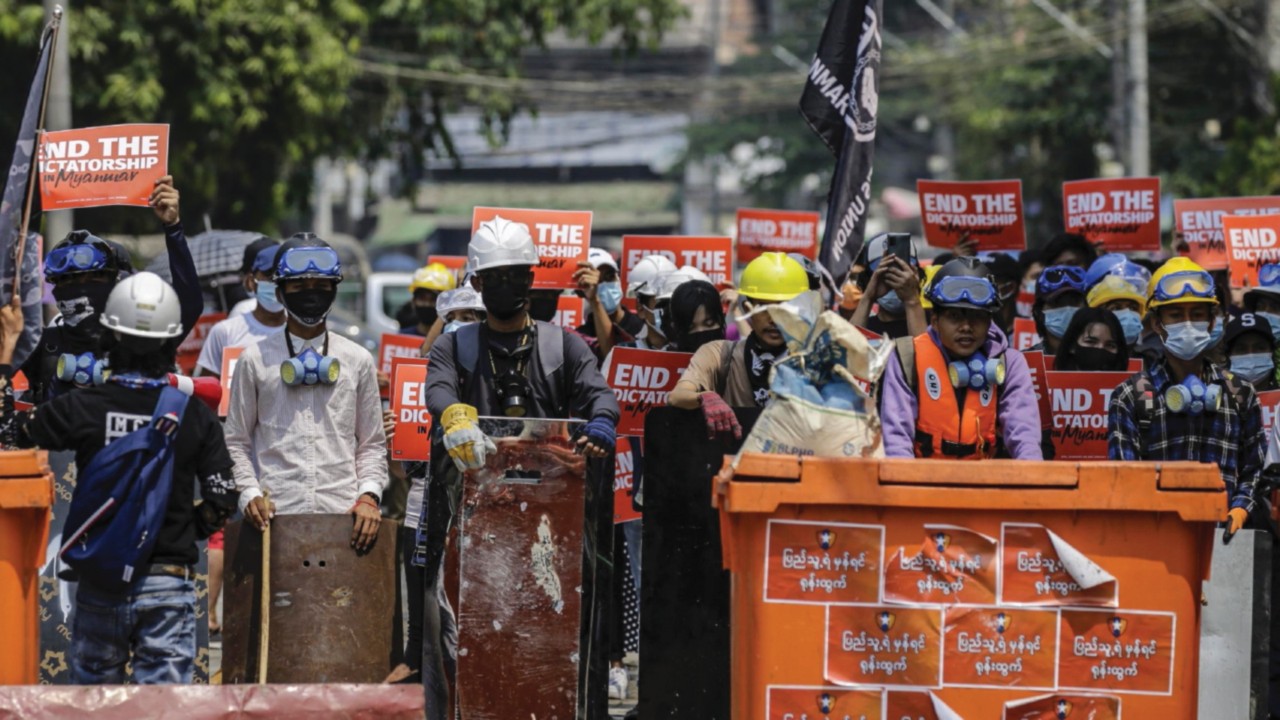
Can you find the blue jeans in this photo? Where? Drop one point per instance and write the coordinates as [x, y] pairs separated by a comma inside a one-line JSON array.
[[154, 622]]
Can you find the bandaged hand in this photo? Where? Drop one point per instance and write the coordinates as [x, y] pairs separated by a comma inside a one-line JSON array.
[[1236, 518], [468, 447]]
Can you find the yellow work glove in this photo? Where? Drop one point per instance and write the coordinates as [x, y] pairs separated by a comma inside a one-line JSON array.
[[1236, 518], [466, 444]]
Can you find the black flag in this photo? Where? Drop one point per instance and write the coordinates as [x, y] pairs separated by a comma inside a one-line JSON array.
[[839, 102], [12, 205]]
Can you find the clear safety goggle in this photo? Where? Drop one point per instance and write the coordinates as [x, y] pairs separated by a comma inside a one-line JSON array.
[[976, 290], [1195, 283], [1269, 274], [302, 261]]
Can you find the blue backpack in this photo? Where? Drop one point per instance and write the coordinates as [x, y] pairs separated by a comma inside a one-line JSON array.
[[120, 500]]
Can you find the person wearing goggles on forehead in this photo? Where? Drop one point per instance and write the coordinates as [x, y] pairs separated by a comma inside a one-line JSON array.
[[83, 268], [958, 391], [723, 375], [893, 286], [1183, 407], [305, 418], [611, 323], [1060, 291], [265, 318]]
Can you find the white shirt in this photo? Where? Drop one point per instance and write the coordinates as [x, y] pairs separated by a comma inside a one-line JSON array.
[[238, 331], [243, 307], [316, 448]]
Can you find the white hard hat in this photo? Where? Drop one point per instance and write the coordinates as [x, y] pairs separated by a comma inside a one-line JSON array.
[[463, 298], [599, 257], [499, 243], [646, 277], [143, 305], [673, 280]]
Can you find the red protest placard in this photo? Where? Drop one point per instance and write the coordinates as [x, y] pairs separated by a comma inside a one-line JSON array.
[[1035, 366], [230, 356], [1039, 568], [787, 231], [412, 440], [794, 703], [1025, 336], [109, 165], [1199, 223], [623, 485], [1000, 647], [1078, 401], [884, 645], [393, 346], [1122, 213], [711, 255], [561, 236], [952, 565], [1252, 242], [1270, 402], [1122, 651], [642, 379], [988, 211], [818, 563], [570, 312], [189, 350]]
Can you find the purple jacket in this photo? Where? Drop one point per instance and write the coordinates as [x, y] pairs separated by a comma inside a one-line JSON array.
[[1017, 411]]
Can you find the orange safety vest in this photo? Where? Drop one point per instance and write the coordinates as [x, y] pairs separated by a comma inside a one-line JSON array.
[[942, 430]]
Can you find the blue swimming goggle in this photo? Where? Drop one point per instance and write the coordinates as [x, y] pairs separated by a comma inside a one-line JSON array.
[[963, 288], [309, 261], [77, 258], [1196, 283], [82, 370], [1060, 277], [1269, 274]]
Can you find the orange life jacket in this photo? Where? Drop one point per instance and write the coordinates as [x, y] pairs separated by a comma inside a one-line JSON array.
[[942, 430]]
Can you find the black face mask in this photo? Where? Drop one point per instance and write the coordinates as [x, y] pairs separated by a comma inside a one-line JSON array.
[[543, 308], [691, 342], [81, 303], [310, 306], [426, 315], [1095, 359], [505, 301]]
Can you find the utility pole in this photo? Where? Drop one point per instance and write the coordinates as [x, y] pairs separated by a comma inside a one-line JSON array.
[[1139, 110], [58, 114], [1119, 79]]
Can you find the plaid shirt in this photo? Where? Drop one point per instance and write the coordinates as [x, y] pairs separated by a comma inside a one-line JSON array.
[[1232, 437]]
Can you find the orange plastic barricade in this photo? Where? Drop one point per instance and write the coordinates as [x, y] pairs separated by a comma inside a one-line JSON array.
[[938, 589], [26, 499]]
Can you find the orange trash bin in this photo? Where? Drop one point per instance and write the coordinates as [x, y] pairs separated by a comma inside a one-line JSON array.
[[936, 589], [26, 501]]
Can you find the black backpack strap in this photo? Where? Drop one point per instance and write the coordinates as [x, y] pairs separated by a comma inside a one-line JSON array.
[[906, 347], [466, 354], [726, 359]]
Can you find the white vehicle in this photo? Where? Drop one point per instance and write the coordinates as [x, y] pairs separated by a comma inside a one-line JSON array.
[[385, 293]]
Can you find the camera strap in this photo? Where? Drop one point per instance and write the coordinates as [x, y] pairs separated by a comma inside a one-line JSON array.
[[520, 354]]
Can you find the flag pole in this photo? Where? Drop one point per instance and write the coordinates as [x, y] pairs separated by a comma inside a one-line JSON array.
[[54, 26]]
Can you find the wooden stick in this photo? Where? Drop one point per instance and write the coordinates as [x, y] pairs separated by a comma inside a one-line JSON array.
[[34, 166], [264, 632]]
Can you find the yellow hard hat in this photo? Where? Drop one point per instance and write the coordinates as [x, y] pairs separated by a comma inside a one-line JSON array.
[[435, 277], [1180, 281], [773, 276], [929, 272], [1114, 287]]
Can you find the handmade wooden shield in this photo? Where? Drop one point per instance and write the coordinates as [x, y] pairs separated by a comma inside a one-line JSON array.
[[333, 610]]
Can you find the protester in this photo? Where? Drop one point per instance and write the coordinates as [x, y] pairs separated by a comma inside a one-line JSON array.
[[611, 322], [1030, 266], [1060, 292], [305, 420], [1069, 249], [427, 284], [1250, 348], [266, 317], [1184, 407], [644, 283], [1094, 341], [697, 317], [151, 624], [83, 269], [1005, 275], [509, 365], [893, 286], [724, 375], [1126, 300], [250, 301], [920, 418]]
